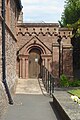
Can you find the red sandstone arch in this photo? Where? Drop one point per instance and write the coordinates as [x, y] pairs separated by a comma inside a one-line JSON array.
[[37, 46], [24, 52]]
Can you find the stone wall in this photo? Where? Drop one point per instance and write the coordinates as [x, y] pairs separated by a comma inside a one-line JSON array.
[[11, 76], [0, 50], [3, 101], [12, 16], [10, 57], [0, 6], [3, 98]]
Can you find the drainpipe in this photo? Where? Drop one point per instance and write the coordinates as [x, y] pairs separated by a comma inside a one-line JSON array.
[[4, 55]]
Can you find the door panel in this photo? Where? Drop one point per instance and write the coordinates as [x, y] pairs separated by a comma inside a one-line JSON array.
[[34, 63]]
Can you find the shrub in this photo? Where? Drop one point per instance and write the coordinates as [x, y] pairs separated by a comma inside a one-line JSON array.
[[64, 81], [75, 83]]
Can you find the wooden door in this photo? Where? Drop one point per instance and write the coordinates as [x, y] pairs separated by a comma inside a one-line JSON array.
[[34, 63]]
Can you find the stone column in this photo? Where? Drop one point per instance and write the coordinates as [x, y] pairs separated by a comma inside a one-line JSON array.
[[49, 61], [26, 68], [46, 63], [20, 68], [23, 68], [43, 62]]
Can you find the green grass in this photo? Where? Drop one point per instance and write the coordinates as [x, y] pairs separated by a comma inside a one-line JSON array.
[[75, 92]]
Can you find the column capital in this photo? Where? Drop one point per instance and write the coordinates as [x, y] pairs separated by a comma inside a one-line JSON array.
[[55, 44], [68, 46]]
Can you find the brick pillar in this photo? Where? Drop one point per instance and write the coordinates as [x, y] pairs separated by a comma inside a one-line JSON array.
[[55, 60], [67, 60]]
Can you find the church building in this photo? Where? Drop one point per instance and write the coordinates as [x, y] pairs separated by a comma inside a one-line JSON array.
[[29, 46], [43, 44]]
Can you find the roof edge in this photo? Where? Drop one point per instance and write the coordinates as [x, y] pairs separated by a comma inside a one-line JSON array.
[[38, 24]]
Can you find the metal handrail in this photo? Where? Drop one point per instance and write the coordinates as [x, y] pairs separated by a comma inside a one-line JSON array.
[[48, 80]]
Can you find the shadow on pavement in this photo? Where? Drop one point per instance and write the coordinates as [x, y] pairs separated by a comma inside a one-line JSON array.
[[55, 111]]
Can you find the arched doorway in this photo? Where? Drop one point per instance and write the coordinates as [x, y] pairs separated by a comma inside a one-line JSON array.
[[34, 66]]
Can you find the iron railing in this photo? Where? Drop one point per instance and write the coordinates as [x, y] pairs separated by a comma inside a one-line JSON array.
[[48, 80]]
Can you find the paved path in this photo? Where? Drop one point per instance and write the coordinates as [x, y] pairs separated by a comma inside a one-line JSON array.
[[30, 103], [31, 107]]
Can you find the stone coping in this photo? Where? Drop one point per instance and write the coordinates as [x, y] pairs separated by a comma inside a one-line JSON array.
[[65, 29], [38, 24], [68, 109]]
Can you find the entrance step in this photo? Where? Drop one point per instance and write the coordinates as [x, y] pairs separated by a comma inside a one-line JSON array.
[[30, 86]]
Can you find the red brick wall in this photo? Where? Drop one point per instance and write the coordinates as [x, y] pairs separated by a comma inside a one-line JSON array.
[[48, 34]]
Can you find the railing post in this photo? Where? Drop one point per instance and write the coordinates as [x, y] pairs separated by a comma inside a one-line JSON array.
[[43, 75], [46, 78], [50, 84]]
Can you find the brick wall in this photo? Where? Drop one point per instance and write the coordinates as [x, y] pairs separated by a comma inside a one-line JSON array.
[[67, 61], [48, 34], [12, 15]]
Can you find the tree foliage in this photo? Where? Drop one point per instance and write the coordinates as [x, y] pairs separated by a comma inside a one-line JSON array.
[[71, 12], [71, 16]]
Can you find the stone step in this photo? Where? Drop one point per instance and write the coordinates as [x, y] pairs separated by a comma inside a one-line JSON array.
[[30, 86]]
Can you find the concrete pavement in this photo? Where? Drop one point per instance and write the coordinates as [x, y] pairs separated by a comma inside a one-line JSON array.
[[31, 102], [31, 107]]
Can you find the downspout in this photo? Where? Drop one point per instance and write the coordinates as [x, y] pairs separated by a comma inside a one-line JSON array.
[[4, 56]]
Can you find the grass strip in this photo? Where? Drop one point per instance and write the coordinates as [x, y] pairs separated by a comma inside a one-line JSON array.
[[75, 92]]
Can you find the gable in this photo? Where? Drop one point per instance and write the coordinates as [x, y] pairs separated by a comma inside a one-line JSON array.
[[34, 42]]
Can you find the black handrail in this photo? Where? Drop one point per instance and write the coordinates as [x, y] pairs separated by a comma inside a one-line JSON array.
[[48, 80]]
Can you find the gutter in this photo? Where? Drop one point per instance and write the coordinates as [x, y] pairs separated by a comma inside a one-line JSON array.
[[4, 56]]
